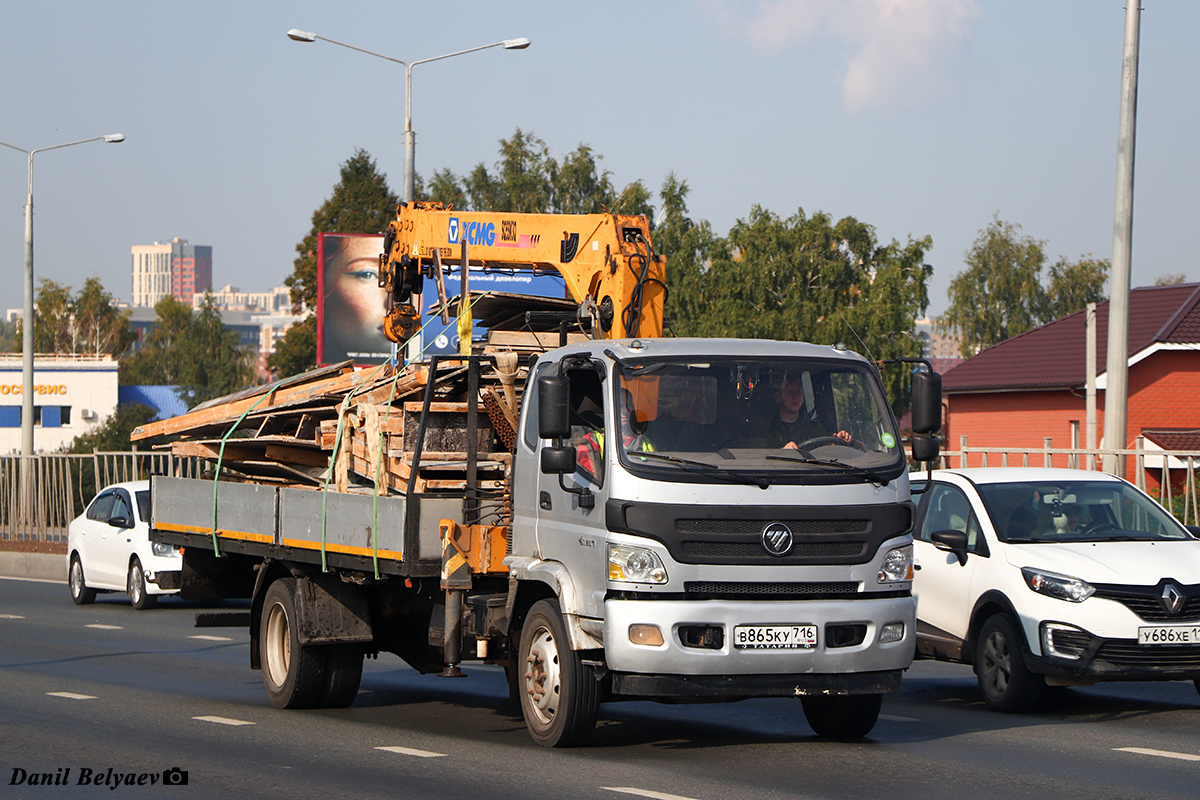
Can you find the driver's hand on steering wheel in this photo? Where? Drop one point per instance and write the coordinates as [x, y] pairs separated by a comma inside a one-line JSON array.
[[843, 435]]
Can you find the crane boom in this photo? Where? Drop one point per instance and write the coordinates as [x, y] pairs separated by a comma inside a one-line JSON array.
[[607, 261]]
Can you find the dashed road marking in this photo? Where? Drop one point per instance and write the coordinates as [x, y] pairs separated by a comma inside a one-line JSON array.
[[894, 718], [212, 638], [11, 616], [408, 751], [645, 793], [1144, 751], [72, 696], [100, 627], [224, 720]]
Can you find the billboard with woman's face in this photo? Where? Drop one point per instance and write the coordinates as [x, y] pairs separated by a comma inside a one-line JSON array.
[[350, 304]]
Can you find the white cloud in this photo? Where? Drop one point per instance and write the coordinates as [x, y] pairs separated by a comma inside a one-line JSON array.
[[904, 51]]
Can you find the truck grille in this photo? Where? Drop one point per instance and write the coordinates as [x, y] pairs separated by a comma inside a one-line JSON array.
[[755, 549], [775, 590], [753, 527]]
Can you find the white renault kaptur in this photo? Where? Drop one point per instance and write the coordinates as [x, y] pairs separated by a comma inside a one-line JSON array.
[[1053, 576]]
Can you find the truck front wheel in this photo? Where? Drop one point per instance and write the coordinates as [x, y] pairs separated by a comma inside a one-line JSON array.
[[560, 695], [842, 716], [294, 675]]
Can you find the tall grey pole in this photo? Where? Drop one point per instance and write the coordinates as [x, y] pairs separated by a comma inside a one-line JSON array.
[[1116, 395], [1090, 367], [410, 141], [27, 328]]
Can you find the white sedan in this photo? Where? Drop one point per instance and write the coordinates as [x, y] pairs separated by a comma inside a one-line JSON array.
[[109, 549], [1053, 577]]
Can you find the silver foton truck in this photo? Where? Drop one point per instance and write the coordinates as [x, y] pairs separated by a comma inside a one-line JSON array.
[[666, 528]]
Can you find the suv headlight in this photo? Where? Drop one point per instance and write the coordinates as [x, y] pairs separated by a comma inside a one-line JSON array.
[[635, 565], [163, 549], [1061, 587], [897, 565]]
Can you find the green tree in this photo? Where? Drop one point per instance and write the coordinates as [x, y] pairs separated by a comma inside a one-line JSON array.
[[1171, 279], [10, 340], [1000, 293], [1075, 284], [687, 247], [112, 435], [88, 323], [807, 279], [158, 363], [361, 202]]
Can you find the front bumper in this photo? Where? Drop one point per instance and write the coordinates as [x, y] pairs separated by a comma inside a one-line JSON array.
[[681, 655], [1101, 659]]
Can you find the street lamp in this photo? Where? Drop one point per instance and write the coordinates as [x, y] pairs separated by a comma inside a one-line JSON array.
[[27, 322], [410, 146]]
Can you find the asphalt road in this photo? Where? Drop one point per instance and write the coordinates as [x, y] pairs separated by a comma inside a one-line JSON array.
[[105, 688]]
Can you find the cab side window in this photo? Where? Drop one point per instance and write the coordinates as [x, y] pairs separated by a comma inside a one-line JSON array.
[[949, 509]]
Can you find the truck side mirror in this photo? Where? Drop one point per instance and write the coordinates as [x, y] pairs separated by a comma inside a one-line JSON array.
[[925, 448], [554, 395], [558, 460], [926, 403]]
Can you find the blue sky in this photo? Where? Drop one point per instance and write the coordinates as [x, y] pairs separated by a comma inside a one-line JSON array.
[[920, 117]]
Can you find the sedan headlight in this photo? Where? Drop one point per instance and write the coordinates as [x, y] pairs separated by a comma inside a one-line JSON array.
[[163, 549], [1061, 587], [897, 565], [635, 565]]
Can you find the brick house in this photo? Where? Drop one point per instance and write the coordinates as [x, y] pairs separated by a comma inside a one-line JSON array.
[[1033, 386]]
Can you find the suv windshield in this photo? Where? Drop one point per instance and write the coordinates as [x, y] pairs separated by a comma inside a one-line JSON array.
[[1076, 511], [779, 420]]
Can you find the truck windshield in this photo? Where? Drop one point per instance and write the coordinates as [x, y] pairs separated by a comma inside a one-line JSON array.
[[779, 420], [1076, 511]]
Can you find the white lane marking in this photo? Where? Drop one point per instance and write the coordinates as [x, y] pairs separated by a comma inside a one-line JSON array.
[[11, 616], [100, 627], [1160, 753], [408, 751], [30, 580], [212, 638], [224, 720], [72, 696], [894, 718], [645, 793]]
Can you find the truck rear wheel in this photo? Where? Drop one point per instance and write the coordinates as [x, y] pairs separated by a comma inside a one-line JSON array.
[[343, 673], [560, 696], [842, 716], [294, 675]]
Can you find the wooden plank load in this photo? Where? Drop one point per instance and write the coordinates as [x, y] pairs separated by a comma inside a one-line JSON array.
[[359, 431]]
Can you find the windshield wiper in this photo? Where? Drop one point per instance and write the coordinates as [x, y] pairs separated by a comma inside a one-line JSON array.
[[700, 466], [871, 475]]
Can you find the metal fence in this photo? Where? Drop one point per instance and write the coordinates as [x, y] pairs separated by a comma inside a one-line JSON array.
[[1169, 476], [40, 495]]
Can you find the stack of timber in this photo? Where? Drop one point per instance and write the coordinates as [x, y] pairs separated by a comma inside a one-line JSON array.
[[384, 430]]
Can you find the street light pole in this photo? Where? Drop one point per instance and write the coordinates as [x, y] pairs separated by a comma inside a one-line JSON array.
[[410, 144], [27, 321]]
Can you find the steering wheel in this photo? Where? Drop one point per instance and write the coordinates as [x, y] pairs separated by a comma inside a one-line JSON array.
[[1101, 526], [822, 441]]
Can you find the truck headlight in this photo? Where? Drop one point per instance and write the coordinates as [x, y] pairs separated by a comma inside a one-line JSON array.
[[1061, 587], [163, 549], [635, 565], [897, 565]]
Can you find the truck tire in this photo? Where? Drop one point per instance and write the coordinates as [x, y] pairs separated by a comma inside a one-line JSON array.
[[1006, 682], [343, 673], [81, 595], [842, 716], [135, 585], [560, 696], [294, 675]]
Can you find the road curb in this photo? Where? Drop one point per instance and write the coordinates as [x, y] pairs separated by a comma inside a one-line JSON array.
[[43, 566]]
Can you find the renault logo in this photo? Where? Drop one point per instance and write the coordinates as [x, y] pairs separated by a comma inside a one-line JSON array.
[[777, 538], [1172, 598]]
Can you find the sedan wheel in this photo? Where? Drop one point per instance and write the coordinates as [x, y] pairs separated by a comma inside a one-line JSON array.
[[80, 593], [1007, 683], [136, 586]]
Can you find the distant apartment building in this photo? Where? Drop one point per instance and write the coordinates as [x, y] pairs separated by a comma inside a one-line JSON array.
[[231, 298], [175, 268]]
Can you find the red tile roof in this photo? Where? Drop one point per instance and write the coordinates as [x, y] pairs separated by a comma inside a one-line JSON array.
[[1174, 439], [1053, 356]]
